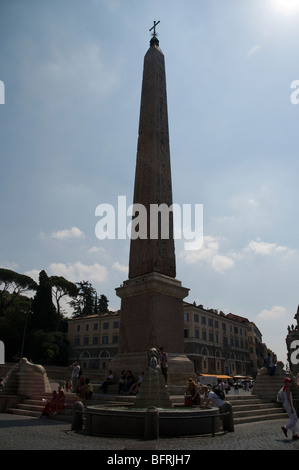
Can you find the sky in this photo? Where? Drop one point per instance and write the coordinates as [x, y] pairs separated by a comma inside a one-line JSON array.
[[71, 75]]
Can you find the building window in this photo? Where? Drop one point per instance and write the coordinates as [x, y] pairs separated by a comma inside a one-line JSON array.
[[77, 341], [95, 326], [196, 318], [203, 320], [114, 339], [186, 316], [86, 340], [116, 325], [186, 333], [196, 333], [78, 328], [105, 339], [106, 325], [95, 340]]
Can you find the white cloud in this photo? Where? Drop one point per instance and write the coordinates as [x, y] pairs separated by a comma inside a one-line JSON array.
[[78, 271], [222, 263], [120, 267], [265, 248], [209, 253], [96, 249], [73, 232], [273, 314], [34, 274]]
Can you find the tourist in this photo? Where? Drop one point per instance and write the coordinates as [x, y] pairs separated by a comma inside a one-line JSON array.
[[50, 405], [60, 404], [121, 382], [191, 394], [163, 357], [107, 381], [86, 390], [135, 387], [269, 366], [69, 386], [288, 406], [75, 376], [129, 381], [212, 397]]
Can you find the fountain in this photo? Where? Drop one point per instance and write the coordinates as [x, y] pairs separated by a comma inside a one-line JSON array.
[[152, 414]]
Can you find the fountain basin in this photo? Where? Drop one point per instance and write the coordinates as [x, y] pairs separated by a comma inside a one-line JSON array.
[[122, 420]]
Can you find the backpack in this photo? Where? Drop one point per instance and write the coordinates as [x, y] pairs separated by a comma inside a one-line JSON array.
[[219, 393], [279, 397]]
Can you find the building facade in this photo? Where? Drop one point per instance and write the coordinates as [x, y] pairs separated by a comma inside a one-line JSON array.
[[216, 343], [94, 340]]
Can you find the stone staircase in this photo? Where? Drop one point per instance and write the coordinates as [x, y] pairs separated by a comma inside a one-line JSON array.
[[34, 406], [250, 408], [247, 408]]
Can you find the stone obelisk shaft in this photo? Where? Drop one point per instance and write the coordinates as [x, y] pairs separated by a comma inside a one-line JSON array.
[[153, 173]]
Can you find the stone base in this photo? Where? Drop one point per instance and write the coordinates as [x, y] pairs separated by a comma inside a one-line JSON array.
[[180, 368], [124, 421], [267, 386]]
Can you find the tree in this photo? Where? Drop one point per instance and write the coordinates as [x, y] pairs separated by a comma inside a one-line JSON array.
[[13, 326], [84, 303], [61, 288], [103, 304], [44, 315], [12, 285]]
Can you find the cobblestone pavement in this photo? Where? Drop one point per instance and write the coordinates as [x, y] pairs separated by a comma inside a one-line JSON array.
[[24, 433]]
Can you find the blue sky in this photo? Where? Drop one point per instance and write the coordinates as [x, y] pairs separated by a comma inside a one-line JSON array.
[[72, 72]]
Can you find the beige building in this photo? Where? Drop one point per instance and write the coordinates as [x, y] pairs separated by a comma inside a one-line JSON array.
[[94, 339], [216, 343]]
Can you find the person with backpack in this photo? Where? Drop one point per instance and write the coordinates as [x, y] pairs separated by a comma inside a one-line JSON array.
[[287, 403], [216, 399]]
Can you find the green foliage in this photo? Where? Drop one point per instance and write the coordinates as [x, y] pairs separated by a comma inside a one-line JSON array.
[[35, 327], [12, 284], [44, 314]]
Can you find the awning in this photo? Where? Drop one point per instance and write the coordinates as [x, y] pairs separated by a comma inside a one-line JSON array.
[[218, 376]]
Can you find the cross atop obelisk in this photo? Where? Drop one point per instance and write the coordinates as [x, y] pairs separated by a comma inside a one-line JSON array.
[[154, 28], [154, 39]]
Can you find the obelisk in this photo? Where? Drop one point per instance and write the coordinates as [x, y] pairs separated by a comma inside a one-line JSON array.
[[152, 297]]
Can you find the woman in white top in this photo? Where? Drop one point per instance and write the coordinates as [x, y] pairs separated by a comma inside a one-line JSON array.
[[288, 406]]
